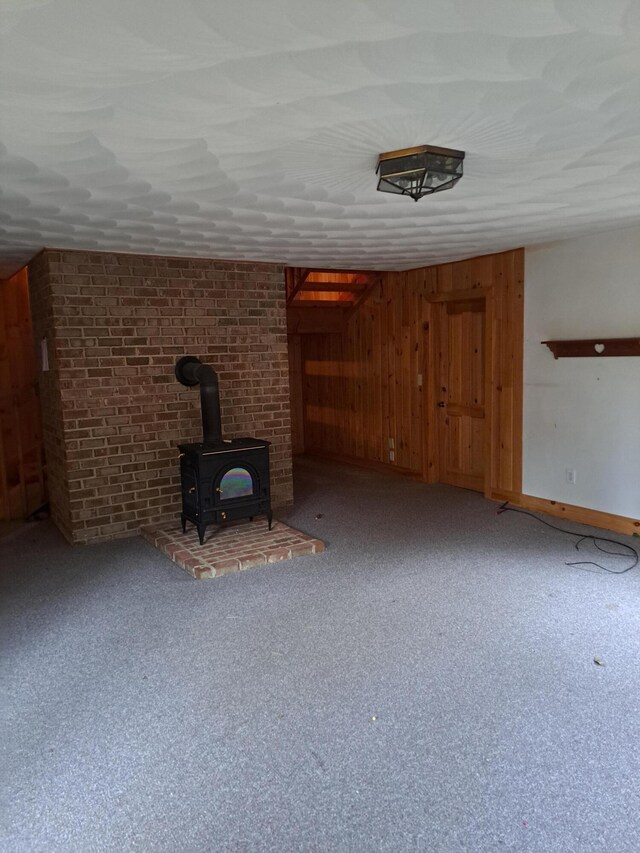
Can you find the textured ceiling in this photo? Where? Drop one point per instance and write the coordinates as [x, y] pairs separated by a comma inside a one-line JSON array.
[[250, 130]]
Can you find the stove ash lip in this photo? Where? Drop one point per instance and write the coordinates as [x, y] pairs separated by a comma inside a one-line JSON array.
[[191, 371]]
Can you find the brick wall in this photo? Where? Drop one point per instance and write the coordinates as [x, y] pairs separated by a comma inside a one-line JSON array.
[[113, 411]]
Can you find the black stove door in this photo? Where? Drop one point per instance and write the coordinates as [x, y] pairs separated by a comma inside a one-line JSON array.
[[237, 481]]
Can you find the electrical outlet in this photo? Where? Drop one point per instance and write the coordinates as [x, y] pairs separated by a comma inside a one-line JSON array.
[[571, 476], [392, 456], [392, 444], [419, 380]]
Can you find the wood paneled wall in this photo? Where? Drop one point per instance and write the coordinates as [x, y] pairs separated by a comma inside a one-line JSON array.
[[22, 487], [372, 383], [360, 387], [295, 390]]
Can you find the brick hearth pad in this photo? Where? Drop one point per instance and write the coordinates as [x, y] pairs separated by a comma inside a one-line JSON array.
[[232, 548]]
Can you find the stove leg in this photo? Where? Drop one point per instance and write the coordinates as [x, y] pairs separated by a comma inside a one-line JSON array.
[[201, 530], [269, 518], [183, 519]]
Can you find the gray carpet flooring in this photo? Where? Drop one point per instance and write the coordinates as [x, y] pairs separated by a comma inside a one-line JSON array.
[[428, 683]]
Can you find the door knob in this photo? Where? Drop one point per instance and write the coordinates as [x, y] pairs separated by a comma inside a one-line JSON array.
[[441, 405]]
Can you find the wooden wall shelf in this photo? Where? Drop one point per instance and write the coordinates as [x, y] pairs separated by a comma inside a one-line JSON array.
[[597, 347]]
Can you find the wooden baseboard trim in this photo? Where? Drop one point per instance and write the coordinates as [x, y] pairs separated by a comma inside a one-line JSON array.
[[502, 495], [363, 463], [579, 514]]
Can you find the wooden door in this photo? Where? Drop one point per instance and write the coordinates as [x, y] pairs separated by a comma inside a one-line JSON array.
[[460, 393]]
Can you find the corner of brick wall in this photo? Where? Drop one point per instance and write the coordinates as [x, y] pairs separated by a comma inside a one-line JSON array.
[[113, 412]]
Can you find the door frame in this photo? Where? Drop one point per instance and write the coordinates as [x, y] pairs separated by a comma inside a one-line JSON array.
[[435, 305]]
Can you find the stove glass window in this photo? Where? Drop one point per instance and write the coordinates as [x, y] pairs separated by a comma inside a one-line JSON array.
[[236, 483]]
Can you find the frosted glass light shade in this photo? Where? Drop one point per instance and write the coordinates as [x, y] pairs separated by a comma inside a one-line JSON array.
[[421, 171]]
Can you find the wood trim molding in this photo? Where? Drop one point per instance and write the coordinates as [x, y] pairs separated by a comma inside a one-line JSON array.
[[578, 514], [518, 371], [490, 456]]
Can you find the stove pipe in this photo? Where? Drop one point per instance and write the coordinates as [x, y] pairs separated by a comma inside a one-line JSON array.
[[191, 371]]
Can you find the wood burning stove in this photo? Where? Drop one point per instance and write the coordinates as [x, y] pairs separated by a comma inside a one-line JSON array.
[[222, 480]]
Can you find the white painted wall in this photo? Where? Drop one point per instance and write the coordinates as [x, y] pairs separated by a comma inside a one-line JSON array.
[[583, 413]]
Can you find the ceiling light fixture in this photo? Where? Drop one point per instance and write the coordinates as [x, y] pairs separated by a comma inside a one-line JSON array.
[[419, 171]]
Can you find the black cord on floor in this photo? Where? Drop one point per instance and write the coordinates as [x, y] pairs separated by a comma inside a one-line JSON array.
[[39, 513], [631, 552]]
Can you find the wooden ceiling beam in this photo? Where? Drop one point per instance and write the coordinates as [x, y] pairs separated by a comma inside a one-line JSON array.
[[375, 279], [299, 278], [334, 286], [328, 271], [322, 303]]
